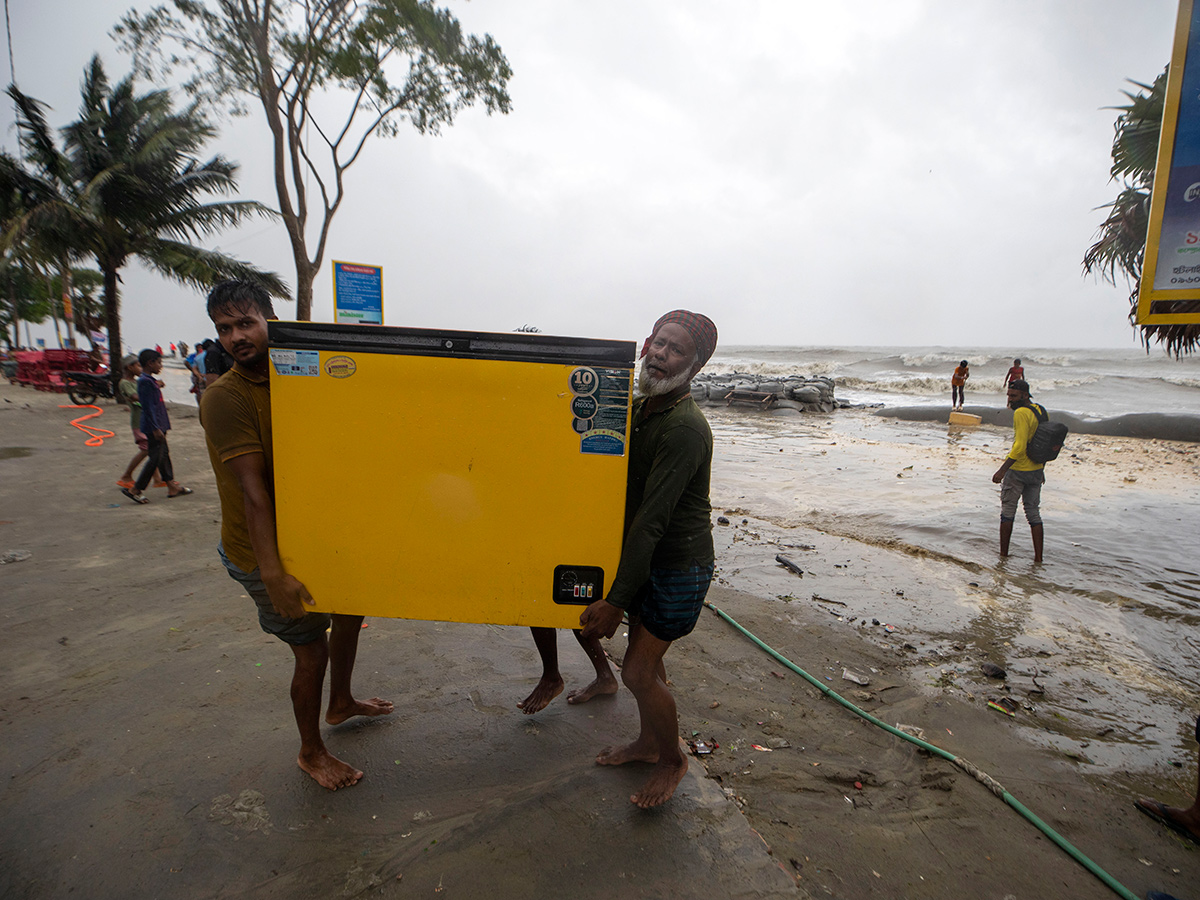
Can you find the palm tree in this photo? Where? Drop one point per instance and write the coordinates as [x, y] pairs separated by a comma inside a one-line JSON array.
[[22, 302], [1121, 246], [127, 184], [19, 267], [82, 285]]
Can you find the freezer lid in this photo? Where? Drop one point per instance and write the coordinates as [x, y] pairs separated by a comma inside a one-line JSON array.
[[516, 346]]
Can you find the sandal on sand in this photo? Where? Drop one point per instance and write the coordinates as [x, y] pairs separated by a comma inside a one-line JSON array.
[[182, 492], [125, 484], [1158, 812], [136, 498]]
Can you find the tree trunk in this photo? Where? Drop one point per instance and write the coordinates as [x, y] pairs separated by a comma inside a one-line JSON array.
[[112, 314], [286, 157], [305, 274], [53, 310], [65, 283], [16, 315]]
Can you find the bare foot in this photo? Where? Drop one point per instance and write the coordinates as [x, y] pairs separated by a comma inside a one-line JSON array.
[[661, 784], [1184, 821], [598, 688], [373, 707], [547, 689], [329, 771], [635, 752]]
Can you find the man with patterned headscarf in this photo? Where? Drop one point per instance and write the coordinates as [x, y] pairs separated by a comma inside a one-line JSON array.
[[667, 558]]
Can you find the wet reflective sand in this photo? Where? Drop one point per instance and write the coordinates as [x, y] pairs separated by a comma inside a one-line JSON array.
[[1100, 642]]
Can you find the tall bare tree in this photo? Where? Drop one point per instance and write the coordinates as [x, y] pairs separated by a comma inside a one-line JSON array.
[[367, 65]]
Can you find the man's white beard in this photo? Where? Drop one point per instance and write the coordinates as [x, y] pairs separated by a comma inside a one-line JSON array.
[[648, 387]]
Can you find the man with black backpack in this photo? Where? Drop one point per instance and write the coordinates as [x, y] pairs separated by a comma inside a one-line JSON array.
[[1020, 478]]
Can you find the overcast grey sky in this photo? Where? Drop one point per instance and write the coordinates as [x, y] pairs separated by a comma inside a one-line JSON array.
[[893, 172]]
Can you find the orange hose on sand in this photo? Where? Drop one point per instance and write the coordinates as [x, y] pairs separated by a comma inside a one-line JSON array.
[[95, 435]]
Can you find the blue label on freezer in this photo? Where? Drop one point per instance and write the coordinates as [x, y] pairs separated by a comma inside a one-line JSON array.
[[602, 444], [601, 414], [296, 362]]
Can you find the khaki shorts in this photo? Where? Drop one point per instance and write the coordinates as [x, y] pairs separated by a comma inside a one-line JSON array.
[[1025, 487], [308, 628]]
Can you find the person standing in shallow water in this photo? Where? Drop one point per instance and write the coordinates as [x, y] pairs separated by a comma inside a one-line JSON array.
[[667, 559], [958, 385], [236, 413], [1016, 372], [1019, 477]]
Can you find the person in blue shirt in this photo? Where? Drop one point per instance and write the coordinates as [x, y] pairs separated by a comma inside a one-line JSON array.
[[155, 425], [195, 366]]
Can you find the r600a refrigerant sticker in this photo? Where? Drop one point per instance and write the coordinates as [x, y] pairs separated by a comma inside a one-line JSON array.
[[600, 409]]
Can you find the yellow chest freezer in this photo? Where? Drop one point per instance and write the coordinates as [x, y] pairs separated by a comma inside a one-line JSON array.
[[449, 475]]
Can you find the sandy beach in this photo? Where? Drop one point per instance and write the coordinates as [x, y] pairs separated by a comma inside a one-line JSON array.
[[149, 748]]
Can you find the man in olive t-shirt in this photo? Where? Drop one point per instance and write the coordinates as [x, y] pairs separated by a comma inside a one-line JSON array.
[[236, 413], [667, 558]]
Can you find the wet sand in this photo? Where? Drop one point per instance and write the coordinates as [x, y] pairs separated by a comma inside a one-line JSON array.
[[150, 751], [903, 517]]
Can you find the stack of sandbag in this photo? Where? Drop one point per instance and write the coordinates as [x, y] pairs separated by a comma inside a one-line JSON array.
[[799, 392]]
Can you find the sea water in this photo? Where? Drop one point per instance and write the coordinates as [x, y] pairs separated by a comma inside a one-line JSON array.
[[1088, 383], [1116, 606]]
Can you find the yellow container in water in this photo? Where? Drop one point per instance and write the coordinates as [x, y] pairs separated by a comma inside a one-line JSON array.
[[453, 476]]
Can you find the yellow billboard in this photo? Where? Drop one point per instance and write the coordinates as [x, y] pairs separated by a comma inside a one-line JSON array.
[[1169, 293]]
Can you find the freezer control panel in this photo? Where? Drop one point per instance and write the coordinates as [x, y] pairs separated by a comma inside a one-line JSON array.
[[578, 584]]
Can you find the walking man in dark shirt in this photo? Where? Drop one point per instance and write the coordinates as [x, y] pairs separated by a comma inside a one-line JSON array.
[[667, 559]]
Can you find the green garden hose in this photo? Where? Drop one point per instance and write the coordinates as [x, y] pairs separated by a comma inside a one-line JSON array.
[[970, 768]]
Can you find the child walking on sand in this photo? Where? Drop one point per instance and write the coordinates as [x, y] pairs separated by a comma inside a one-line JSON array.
[[155, 424], [127, 393]]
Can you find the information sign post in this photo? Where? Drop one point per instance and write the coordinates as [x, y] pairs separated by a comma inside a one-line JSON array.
[[357, 293]]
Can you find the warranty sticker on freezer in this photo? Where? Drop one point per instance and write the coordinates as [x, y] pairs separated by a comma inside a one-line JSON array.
[[600, 409], [340, 366], [296, 362]]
